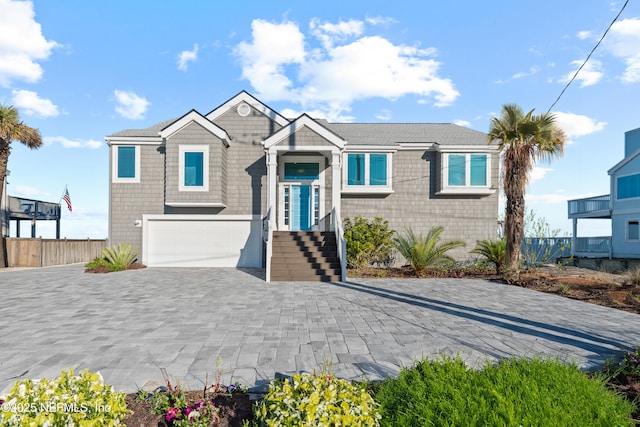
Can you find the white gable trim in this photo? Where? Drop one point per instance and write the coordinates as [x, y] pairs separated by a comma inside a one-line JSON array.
[[253, 102], [194, 117], [296, 125]]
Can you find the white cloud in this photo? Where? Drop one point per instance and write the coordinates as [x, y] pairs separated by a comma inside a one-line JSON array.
[[33, 105], [68, 143], [130, 105], [384, 115], [532, 70], [538, 173], [20, 190], [577, 125], [589, 75], [623, 41], [583, 35], [22, 43], [346, 66], [460, 122], [187, 56]]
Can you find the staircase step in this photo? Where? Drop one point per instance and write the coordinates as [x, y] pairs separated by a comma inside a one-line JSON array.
[[305, 256]]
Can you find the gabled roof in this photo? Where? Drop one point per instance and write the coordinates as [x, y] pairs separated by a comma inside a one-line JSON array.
[[194, 117], [623, 162], [244, 96], [304, 121]]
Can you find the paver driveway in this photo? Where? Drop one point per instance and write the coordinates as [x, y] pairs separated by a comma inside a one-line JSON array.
[[194, 322]]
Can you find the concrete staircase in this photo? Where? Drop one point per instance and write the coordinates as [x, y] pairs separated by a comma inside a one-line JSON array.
[[305, 256]]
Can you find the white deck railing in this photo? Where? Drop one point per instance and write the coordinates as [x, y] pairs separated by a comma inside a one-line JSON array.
[[341, 243]]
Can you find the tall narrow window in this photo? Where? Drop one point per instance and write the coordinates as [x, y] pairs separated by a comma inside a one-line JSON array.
[[355, 169], [479, 169], [378, 169], [633, 230], [193, 169], [125, 163], [457, 169]]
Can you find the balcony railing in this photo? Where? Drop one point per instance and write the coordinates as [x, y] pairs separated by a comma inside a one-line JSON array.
[[591, 207], [593, 246]]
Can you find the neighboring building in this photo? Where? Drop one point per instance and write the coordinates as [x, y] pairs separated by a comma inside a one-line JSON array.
[[231, 187], [621, 205]]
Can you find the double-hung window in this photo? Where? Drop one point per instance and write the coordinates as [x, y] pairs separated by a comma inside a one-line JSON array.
[[193, 168], [369, 172], [465, 172], [126, 163]]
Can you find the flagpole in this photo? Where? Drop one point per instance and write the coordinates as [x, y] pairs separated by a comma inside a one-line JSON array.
[[63, 193]]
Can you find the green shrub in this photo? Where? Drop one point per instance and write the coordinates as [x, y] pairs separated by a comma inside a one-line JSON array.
[[493, 251], [368, 241], [316, 400], [68, 400], [512, 393], [116, 258], [422, 252]]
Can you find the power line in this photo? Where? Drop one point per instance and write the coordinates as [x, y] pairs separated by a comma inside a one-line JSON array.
[[588, 56]]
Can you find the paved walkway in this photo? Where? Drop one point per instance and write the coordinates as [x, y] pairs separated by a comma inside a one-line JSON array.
[[194, 322]]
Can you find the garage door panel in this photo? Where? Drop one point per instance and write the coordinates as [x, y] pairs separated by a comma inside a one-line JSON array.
[[203, 243]]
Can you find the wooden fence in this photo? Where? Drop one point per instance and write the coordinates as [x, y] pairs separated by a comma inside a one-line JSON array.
[[48, 252]]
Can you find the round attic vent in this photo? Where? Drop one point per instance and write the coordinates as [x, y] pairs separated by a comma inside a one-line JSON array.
[[244, 109]]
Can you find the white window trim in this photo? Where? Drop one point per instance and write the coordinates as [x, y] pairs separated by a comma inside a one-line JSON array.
[[626, 231], [313, 183], [367, 187], [182, 149], [467, 188], [114, 165]]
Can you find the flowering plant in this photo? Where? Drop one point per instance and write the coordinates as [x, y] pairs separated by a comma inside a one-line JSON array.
[[172, 403], [69, 400], [318, 400]]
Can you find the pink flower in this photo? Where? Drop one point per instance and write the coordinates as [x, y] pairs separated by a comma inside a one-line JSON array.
[[171, 413]]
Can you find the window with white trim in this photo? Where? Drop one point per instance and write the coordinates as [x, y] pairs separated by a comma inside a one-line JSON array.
[[633, 230], [193, 168], [466, 170], [125, 163], [367, 171]]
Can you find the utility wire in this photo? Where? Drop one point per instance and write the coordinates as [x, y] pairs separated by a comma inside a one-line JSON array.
[[588, 56]]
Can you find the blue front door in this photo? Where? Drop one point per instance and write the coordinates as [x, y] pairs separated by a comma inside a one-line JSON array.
[[301, 207]]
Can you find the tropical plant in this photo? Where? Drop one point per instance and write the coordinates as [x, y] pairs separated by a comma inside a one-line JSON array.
[[12, 129], [120, 256], [368, 241], [421, 252], [524, 139], [493, 252], [69, 400]]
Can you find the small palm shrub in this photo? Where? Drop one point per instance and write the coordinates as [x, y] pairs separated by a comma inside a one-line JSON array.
[[511, 393], [368, 241], [316, 400], [69, 400], [422, 252], [116, 258], [493, 251]]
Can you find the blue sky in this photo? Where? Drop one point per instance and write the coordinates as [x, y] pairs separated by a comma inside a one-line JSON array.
[[79, 71]]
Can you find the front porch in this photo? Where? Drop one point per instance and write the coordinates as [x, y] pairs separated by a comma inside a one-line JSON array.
[[304, 192], [598, 207]]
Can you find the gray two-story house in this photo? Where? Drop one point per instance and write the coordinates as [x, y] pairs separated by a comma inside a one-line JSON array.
[[243, 186]]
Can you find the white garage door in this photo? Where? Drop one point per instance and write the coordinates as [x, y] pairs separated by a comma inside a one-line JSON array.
[[202, 241]]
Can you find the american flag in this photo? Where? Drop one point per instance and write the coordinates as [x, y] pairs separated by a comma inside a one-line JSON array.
[[67, 199]]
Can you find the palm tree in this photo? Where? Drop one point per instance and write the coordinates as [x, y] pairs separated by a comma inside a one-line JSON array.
[[422, 252], [12, 129], [524, 139], [493, 252]]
